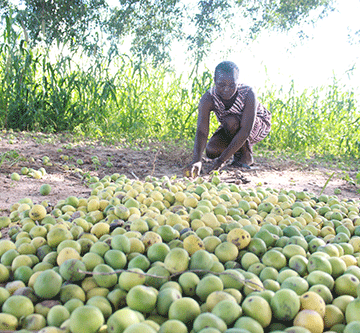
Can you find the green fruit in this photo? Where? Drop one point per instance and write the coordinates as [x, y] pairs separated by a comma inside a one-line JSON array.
[[209, 320], [188, 282], [207, 285], [177, 260], [352, 327], [352, 312], [164, 300], [157, 252], [72, 270], [298, 263], [121, 319], [107, 277], [57, 315], [274, 258], [319, 263], [184, 309], [15, 176], [257, 308], [296, 283], [48, 284], [249, 324], [320, 277], [86, 319], [71, 291], [173, 325], [161, 274], [141, 298], [228, 310], [346, 284], [45, 189], [285, 304], [101, 303], [8, 322], [232, 278], [201, 259], [4, 222], [18, 306]]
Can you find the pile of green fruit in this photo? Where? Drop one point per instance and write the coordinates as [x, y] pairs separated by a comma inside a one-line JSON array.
[[180, 255]]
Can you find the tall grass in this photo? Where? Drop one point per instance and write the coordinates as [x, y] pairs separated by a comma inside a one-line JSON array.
[[324, 120], [117, 97]]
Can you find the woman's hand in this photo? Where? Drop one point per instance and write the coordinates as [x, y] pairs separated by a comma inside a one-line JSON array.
[[192, 170], [217, 165]]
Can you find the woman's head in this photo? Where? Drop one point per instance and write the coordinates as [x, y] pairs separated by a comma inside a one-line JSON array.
[[226, 79]]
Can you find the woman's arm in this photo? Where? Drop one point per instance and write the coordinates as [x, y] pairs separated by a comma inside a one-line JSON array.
[[202, 132]]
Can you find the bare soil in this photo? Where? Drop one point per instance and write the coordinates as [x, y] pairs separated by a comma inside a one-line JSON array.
[[28, 149]]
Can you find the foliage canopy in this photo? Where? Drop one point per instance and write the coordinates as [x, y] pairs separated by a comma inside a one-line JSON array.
[[154, 25]]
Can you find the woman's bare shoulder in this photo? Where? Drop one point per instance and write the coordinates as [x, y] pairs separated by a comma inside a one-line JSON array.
[[206, 101]]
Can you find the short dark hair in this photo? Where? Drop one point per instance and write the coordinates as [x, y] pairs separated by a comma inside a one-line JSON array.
[[227, 67]]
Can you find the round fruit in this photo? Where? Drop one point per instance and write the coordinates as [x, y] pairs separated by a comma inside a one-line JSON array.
[[257, 308], [184, 309], [177, 260], [72, 270], [311, 320], [141, 298], [210, 320], [240, 237], [45, 189], [48, 284], [37, 212], [121, 319], [18, 306], [312, 301], [86, 319], [285, 304]]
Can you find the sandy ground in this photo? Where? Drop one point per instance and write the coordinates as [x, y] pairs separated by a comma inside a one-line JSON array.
[[25, 149]]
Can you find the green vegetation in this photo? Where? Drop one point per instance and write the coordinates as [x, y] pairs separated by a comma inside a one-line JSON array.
[[114, 97]]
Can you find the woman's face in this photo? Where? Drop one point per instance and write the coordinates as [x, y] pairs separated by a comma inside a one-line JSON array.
[[226, 84]]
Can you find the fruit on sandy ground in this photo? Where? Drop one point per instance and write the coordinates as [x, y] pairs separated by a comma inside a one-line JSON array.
[[45, 189], [15, 176], [154, 233]]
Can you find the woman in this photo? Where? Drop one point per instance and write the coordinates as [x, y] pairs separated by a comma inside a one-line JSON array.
[[243, 122]]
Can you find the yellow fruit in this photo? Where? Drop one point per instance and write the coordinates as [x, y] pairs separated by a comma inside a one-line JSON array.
[[312, 301], [192, 244], [37, 212], [210, 220], [67, 253], [311, 320], [240, 237]]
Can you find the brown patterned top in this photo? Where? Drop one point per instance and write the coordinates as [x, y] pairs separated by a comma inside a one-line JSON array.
[[238, 105]]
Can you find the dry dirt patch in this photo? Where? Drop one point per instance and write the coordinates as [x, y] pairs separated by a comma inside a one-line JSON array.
[[19, 150]]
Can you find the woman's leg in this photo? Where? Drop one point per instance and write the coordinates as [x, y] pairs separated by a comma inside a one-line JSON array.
[[243, 156], [260, 130], [222, 136]]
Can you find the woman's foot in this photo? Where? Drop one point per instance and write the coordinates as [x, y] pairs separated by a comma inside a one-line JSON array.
[[243, 158]]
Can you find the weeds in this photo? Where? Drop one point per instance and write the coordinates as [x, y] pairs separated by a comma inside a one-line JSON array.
[[118, 100]]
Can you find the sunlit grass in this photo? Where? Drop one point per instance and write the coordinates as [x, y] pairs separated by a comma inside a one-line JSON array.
[[121, 101]]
